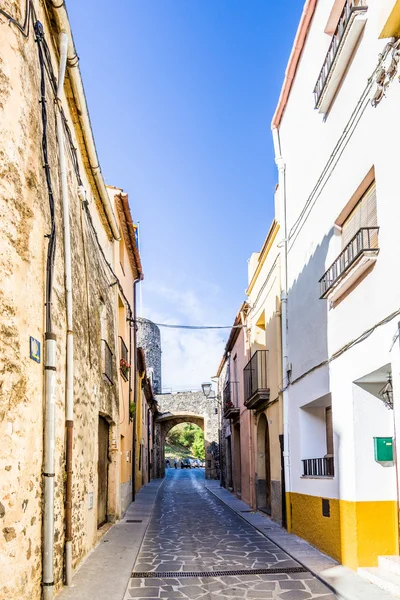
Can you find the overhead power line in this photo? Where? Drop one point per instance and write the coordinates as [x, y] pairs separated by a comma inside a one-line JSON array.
[[200, 326], [176, 326]]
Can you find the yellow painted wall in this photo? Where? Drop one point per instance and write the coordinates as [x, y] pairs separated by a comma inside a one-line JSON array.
[[139, 431], [390, 19], [355, 534]]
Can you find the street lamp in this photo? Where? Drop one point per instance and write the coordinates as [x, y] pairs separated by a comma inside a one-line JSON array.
[[206, 387], [386, 393]]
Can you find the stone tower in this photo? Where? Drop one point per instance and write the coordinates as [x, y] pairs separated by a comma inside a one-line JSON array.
[[149, 338]]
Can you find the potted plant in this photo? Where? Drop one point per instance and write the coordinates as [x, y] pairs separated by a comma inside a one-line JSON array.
[[125, 367]]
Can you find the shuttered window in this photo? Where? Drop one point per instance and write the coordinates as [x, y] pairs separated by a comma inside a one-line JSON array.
[[362, 215], [329, 430]]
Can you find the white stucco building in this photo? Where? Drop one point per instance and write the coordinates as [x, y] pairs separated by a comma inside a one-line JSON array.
[[336, 137]]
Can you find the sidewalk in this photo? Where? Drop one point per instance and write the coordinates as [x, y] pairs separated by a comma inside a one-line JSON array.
[[344, 582], [106, 571]]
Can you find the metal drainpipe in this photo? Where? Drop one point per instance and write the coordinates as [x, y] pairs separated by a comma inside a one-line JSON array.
[[50, 404], [135, 378], [69, 398], [286, 484]]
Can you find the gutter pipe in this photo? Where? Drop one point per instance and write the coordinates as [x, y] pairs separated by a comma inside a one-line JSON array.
[[284, 292], [135, 384], [50, 392], [69, 402], [60, 12]]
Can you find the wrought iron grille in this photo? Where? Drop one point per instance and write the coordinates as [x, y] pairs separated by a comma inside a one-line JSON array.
[[230, 395], [255, 374], [319, 467], [107, 362], [351, 8], [365, 240], [124, 360]]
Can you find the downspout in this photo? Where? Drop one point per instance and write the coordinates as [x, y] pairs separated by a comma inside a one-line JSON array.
[[135, 384], [286, 483], [69, 404], [50, 403]]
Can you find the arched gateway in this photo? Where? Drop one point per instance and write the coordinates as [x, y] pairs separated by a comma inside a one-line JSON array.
[[186, 407]]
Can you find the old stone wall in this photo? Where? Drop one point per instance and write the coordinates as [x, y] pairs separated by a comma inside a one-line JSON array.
[[187, 407], [149, 338], [24, 223]]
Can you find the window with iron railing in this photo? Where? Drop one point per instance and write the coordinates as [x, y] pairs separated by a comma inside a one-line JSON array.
[[230, 398], [350, 10], [107, 361], [319, 467], [255, 376], [359, 238], [124, 364], [364, 242]]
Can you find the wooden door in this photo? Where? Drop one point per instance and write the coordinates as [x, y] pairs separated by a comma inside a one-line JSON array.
[[102, 471], [267, 472]]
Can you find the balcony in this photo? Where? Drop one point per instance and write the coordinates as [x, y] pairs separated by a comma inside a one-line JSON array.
[[231, 400], [344, 40], [124, 365], [358, 256], [256, 391], [318, 467], [107, 362]]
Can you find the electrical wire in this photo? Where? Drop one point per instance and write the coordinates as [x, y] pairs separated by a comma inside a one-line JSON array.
[[51, 248], [29, 11], [140, 319], [345, 348], [348, 131]]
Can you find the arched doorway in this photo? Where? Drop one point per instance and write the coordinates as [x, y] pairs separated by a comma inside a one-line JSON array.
[[187, 407], [263, 489], [182, 442], [164, 424]]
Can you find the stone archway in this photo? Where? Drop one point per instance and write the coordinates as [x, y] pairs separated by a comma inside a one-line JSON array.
[[186, 407]]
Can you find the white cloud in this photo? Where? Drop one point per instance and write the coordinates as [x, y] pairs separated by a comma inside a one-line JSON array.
[[189, 357]]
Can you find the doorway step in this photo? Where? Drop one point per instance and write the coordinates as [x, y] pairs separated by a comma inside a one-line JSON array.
[[386, 575]]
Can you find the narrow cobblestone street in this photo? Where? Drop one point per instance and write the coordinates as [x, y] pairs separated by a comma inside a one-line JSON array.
[[198, 548]]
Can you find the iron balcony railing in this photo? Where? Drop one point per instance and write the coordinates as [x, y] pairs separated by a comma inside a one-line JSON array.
[[107, 362], [124, 365], [255, 377], [230, 398], [318, 467], [364, 241], [350, 9]]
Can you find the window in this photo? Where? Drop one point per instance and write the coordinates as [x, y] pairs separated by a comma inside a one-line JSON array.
[[329, 431], [363, 215], [316, 438]]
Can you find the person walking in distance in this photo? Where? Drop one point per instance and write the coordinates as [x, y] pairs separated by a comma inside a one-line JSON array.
[[175, 463]]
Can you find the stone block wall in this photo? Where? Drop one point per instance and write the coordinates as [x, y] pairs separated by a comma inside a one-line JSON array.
[[149, 338]]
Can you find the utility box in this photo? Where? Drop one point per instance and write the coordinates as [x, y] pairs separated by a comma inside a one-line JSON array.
[[383, 449]]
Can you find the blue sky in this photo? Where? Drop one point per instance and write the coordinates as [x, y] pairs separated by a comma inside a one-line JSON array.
[[181, 94]]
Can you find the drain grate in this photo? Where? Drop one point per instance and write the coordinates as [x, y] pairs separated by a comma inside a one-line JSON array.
[[182, 574], [133, 521]]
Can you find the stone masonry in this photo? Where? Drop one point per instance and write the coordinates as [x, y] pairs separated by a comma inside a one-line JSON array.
[[149, 338], [187, 407]]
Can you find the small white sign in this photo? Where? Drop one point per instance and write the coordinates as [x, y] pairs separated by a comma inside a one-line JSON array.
[[90, 500], [228, 431]]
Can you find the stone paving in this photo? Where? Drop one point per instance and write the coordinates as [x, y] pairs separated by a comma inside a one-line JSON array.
[[191, 531]]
